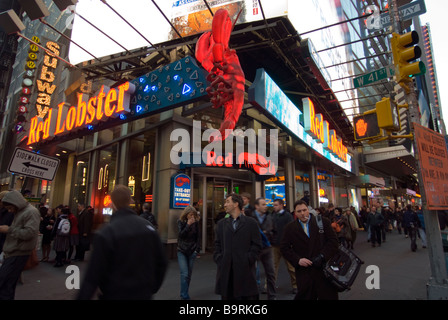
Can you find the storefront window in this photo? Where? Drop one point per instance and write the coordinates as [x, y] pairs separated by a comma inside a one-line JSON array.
[[81, 180], [326, 194], [302, 184], [105, 183], [141, 168]]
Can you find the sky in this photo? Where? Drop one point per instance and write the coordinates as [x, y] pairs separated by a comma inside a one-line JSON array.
[[436, 15]]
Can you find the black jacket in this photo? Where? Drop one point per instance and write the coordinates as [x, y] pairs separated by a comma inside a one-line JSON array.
[[127, 262], [189, 239]]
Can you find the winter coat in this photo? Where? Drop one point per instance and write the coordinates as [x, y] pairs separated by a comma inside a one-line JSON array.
[[280, 219], [189, 238], [21, 238], [127, 262], [237, 250]]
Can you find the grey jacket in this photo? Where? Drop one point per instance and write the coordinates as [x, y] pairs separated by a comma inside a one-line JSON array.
[[22, 234]]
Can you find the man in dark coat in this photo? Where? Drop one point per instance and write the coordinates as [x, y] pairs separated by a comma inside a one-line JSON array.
[[128, 261], [85, 224], [237, 247], [301, 246]]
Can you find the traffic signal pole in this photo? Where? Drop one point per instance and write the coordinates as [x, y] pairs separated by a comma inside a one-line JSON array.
[[437, 286]]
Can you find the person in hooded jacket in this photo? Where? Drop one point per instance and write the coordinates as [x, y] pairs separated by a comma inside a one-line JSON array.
[[21, 239], [6, 218]]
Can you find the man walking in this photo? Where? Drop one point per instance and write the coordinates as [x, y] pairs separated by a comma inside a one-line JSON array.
[[281, 217], [237, 247], [266, 257], [21, 238], [301, 246], [128, 261], [85, 224]]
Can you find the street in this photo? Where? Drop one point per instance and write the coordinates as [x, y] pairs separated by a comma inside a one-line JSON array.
[[403, 275]]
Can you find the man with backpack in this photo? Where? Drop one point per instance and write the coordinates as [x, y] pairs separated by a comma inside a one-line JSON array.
[[61, 233]]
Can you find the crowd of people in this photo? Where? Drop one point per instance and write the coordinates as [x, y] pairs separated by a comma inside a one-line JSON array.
[[246, 238]]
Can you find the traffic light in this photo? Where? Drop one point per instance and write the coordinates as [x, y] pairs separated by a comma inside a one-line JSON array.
[[388, 116], [405, 52], [366, 126]]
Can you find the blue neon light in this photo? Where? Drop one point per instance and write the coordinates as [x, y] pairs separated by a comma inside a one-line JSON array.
[[154, 88], [186, 89], [138, 108], [90, 127], [176, 77], [146, 88], [122, 117]]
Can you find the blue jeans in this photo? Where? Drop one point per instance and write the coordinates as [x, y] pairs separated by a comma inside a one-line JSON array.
[[186, 268]]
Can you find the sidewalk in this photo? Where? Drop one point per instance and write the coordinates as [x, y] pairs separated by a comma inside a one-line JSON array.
[[403, 276]]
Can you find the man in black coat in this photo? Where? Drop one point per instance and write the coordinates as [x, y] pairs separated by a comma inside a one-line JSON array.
[[301, 246], [85, 224], [128, 261], [237, 247]]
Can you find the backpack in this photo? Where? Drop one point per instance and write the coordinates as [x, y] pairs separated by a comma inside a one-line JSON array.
[[343, 268], [63, 227]]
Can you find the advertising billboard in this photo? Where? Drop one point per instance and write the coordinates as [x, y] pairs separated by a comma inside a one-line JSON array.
[[188, 17]]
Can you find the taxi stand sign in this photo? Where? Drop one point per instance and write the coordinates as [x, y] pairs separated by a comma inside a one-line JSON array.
[[34, 165]]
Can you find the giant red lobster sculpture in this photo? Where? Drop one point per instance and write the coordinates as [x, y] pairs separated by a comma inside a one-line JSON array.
[[225, 73]]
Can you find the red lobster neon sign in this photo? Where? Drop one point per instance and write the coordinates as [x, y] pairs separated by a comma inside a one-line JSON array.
[[225, 72]]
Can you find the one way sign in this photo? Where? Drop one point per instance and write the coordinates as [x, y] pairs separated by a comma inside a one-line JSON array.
[[33, 164]]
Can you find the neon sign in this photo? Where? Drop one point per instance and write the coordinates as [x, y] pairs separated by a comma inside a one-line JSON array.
[[108, 103], [254, 161], [271, 100], [319, 129], [45, 85]]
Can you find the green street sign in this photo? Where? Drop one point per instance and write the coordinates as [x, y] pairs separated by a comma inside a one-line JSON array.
[[373, 77]]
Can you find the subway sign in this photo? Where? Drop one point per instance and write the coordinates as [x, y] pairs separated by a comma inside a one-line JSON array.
[[316, 133]]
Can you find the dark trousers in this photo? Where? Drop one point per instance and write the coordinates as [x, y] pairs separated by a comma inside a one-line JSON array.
[[376, 235], [312, 285], [9, 275], [84, 244], [267, 259]]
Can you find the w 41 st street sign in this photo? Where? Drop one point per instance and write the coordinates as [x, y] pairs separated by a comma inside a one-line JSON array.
[[33, 164], [373, 77]]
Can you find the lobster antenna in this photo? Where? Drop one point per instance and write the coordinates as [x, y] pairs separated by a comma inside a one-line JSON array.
[[237, 17]]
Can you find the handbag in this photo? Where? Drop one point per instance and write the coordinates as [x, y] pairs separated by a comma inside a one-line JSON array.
[[32, 260], [342, 269]]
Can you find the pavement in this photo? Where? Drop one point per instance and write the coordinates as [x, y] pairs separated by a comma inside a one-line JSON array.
[[400, 275]]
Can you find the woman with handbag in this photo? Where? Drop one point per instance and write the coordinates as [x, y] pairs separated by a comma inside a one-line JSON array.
[[188, 246]]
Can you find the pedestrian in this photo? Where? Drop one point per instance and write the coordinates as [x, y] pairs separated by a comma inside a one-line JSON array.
[[21, 239], [266, 256], [127, 261], [375, 222], [188, 246], [352, 226], [237, 247], [46, 228], [344, 233], [301, 245], [74, 235], [61, 235], [281, 217], [421, 227], [6, 218], [148, 215], [410, 223], [85, 224], [248, 209]]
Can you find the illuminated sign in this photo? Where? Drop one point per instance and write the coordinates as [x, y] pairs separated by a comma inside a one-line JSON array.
[[267, 96], [318, 128], [108, 103], [366, 126], [45, 86], [169, 86], [254, 161], [180, 191]]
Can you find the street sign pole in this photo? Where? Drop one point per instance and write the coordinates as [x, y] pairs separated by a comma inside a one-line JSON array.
[[437, 287]]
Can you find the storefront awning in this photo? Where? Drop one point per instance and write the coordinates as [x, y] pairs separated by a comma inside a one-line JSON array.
[[394, 161], [368, 181]]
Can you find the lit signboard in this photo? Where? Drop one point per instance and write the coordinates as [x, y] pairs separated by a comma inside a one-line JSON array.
[[108, 103], [180, 191], [169, 86], [267, 95]]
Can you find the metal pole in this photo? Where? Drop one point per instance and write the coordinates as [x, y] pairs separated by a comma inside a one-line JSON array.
[[437, 287]]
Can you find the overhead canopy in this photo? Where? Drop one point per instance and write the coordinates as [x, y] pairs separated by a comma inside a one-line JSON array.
[[393, 161]]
